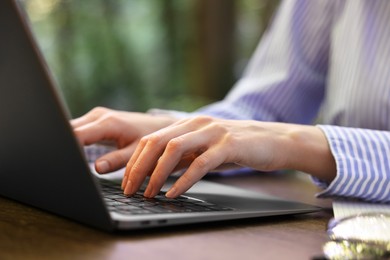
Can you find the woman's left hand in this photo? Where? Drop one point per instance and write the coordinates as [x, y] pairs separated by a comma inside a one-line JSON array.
[[203, 144]]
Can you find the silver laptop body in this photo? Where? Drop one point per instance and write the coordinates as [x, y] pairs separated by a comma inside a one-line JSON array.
[[42, 164]]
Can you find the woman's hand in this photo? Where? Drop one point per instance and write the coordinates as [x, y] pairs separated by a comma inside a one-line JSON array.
[[123, 128], [203, 144]]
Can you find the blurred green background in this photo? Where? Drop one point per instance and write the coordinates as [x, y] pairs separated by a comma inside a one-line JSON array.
[[138, 54]]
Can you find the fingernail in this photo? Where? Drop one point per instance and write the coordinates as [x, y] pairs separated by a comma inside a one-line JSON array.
[[172, 193], [102, 166], [128, 188]]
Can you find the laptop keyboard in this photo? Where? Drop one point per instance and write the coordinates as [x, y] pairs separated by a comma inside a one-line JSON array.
[[139, 205]]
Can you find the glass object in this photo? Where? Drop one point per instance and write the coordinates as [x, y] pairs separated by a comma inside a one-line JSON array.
[[365, 236]]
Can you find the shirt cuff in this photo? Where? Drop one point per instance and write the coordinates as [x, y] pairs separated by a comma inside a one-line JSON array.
[[362, 162], [332, 189]]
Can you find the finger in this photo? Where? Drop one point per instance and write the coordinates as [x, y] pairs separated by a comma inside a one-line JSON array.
[[178, 149], [204, 163], [184, 163], [114, 160], [165, 165], [89, 117], [138, 150], [103, 129], [149, 151], [91, 133], [145, 157]]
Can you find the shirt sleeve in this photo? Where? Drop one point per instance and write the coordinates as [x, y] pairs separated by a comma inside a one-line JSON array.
[[285, 79], [362, 161]]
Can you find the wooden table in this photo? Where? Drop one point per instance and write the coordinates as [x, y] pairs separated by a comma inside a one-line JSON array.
[[28, 233]]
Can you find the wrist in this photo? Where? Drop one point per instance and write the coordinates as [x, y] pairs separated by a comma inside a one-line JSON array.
[[310, 152]]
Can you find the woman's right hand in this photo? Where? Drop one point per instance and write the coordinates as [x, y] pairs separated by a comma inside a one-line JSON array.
[[124, 128]]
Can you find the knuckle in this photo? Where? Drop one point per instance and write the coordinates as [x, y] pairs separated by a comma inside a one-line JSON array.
[[106, 121], [218, 126], [109, 119], [99, 110], [136, 169], [201, 162], [143, 141], [175, 144], [229, 140], [154, 139], [204, 119]]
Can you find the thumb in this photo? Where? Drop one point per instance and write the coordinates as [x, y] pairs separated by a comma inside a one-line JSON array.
[[114, 160]]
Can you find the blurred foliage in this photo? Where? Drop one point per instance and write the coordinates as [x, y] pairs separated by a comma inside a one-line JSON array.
[[137, 54]]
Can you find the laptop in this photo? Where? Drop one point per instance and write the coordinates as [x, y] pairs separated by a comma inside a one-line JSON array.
[[43, 165]]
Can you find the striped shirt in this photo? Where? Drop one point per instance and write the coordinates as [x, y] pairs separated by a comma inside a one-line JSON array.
[[326, 62]]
